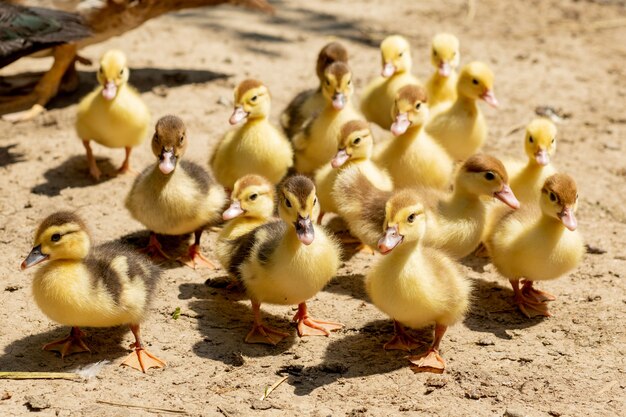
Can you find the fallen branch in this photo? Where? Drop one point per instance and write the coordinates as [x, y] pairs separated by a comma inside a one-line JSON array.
[[269, 390], [142, 407], [41, 375]]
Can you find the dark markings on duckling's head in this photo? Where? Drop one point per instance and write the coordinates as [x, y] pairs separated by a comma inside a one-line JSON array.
[[401, 199], [60, 218], [330, 53], [199, 175], [247, 85], [170, 133], [413, 94], [352, 126], [563, 186], [300, 186], [338, 70], [483, 163]]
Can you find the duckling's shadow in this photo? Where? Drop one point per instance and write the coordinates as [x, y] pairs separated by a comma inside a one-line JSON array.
[[492, 311], [351, 284], [73, 173], [8, 157], [26, 354], [224, 323], [476, 263], [173, 246]]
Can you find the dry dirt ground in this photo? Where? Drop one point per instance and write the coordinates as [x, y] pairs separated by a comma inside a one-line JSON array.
[[565, 54]]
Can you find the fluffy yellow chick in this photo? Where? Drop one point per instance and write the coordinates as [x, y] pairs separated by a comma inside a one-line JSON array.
[[307, 103], [355, 148], [175, 197], [413, 284], [112, 115], [257, 147], [445, 57], [460, 126], [413, 158], [378, 97], [288, 261], [538, 243], [80, 286], [316, 144]]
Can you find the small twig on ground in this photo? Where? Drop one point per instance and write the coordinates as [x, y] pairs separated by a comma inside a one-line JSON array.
[[41, 375], [269, 390], [143, 407]]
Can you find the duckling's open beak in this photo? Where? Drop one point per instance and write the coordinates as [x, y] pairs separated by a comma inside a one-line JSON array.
[[238, 115], [542, 157], [168, 161], [388, 70], [401, 124], [568, 218], [233, 211], [390, 240], [490, 97], [339, 101], [304, 229], [340, 158], [445, 69], [109, 91], [507, 197], [34, 257]]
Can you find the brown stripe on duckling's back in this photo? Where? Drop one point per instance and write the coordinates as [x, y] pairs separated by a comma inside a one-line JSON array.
[[563, 186], [60, 218], [412, 94], [331, 53], [300, 186], [482, 163]]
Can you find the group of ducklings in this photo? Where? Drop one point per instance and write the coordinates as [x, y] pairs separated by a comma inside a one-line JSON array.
[[423, 198]]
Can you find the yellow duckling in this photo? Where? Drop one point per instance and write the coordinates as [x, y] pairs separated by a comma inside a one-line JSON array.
[[538, 244], [252, 205], [355, 148], [445, 57], [415, 285], [459, 218], [113, 114], [257, 147], [378, 97], [413, 158], [288, 261], [80, 286], [307, 103], [460, 126], [316, 144], [540, 145], [175, 197]]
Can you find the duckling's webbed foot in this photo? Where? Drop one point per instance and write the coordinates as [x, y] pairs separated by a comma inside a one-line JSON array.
[[261, 333], [141, 359], [195, 257], [73, 343], [529, 291], [363, 248], [154, 249], [401, 339], [125, 168], [308, 326], [528, 302], [430, 361]]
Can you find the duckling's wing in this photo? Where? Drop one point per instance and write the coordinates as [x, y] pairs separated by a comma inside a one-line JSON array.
[[25, 30], [266, 237], [293, 119], [200, 176]]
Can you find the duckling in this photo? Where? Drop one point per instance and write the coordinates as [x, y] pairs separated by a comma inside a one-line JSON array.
[[288, 261], [307, 103], [113, 114], [445, 57], [459, 218], [252, 205], [79, 286], [175, 197], [538, 243], [540, 145], [355, 148], [257, 147], [316, 144], [413, 158], [460, 126], [414, 284], [378, 97]]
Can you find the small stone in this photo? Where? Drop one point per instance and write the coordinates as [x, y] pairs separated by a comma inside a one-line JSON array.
[[473, 394], [555, 413], [435, 382], [12, 288], [261, 405], [36, 402], [513, 412], [6, 396], [160, 91], [485, 342], [238, 359]]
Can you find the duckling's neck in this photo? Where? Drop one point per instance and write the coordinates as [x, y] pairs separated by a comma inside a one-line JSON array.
[[411, 133], [462, 196], [257, 118], [466, 103], [406, 250], [551, 226]]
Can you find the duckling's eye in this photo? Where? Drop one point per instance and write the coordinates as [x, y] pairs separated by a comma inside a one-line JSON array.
[[357, 141], [55, 237], [254, 98], [490, 176], [418, 105], [101, 70], [474, 81], [400, 54], [253, 197], [434, 52], [553, 139], [287, 202], [552, 197], [327, 82], [411, 218], [349, 82], [181, 140], [530, 139], [122, 71], [576, 196], [315, 201]]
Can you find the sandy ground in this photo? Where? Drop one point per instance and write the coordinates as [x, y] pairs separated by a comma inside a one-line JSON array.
[[566, 54]]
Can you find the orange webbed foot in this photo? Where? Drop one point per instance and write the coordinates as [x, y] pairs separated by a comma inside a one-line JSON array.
[[430, 361], [402, 342], [265, 335], [529, 292], [195, 258], [311, 327], [531, 308], [142, 360], [70, 344]]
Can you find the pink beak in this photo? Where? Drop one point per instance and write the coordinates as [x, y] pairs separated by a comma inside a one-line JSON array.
[[445, 69], [109, 91], [568, 219], [388, 70], [233, 211], [490, 98], [542, 157], [238, 115], [340, 159], [167, 163], [507, 197], [339, 101], [401, 124], [390, 240]]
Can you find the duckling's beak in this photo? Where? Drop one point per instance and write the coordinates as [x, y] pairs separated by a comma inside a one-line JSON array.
[[542, 157], [568, 218], [339, 101], [401, 124], [168, 161], [109, 91], [340, 159], [34, 257], [490, 97], [507, 197], [304, 229], [233, 211], [445, 69], [238, 115], [388, 70], [390, 240]]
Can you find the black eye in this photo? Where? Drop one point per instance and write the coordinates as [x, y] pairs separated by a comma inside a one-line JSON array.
[[474, 81], [254, 98], [287, 202], [576, 196], [349, 82], [101, 70], [411, 218], [553, 139], [357, 141], [418, 105], [122, 71], [327, 82], [181, 140], [552, 197], [434, 53], [253, 197], [315, 201], [530, 139], [55, 237], [490, 176], [401, 53]]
